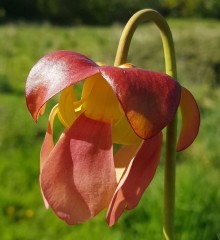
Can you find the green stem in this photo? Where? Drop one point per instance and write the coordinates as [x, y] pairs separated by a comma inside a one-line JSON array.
[[170, 65]]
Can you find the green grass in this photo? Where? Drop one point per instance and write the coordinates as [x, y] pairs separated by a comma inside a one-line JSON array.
[[22, 214]]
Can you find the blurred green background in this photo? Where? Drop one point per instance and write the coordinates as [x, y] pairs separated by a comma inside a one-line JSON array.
[[101, 12], [52, 25]]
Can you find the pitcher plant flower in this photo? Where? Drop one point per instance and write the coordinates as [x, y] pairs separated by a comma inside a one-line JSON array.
[[79, 174]]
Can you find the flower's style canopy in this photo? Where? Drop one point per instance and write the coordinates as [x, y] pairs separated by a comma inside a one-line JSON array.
[[79, 174]]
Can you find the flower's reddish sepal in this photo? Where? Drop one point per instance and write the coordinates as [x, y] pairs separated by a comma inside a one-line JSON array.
[[52, 74], [78, 178], [149, 99], [137, 177], [190, 120]]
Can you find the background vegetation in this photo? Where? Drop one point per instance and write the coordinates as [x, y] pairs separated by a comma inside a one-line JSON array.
[[22, 213], [101, 12]]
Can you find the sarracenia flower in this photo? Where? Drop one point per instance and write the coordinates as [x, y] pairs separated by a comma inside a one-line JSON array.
[[79, 175]]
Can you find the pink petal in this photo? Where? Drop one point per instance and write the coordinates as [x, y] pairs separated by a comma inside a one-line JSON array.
[[78, 179], [48, 144], [190, 120], [52, 74], [149, 99], [138, 176]]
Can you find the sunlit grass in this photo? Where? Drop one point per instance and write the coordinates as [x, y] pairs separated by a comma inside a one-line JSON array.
[[22, 214]]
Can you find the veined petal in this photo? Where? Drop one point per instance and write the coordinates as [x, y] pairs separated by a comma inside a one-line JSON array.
[[138, 176], [78, 179], [53, 73], [190, 120], [149, 99]]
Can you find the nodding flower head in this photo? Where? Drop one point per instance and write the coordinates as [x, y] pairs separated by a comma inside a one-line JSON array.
[[79, 174]]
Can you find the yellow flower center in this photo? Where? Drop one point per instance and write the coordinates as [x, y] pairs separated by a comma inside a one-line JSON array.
[[100, 102]]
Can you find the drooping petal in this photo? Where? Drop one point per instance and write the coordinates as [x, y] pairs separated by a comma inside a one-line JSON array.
[[48, 145], [149, 99], [190, 120], [78, 178], [138, 176], [53, 73]]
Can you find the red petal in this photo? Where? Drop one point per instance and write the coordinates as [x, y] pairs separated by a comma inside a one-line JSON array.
[[138, 176], [190, 120], [52, 74], [149, 99], [78, 178]]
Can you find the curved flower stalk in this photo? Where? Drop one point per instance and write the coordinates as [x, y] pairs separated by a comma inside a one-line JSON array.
[[79, 175], [188, 106]]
